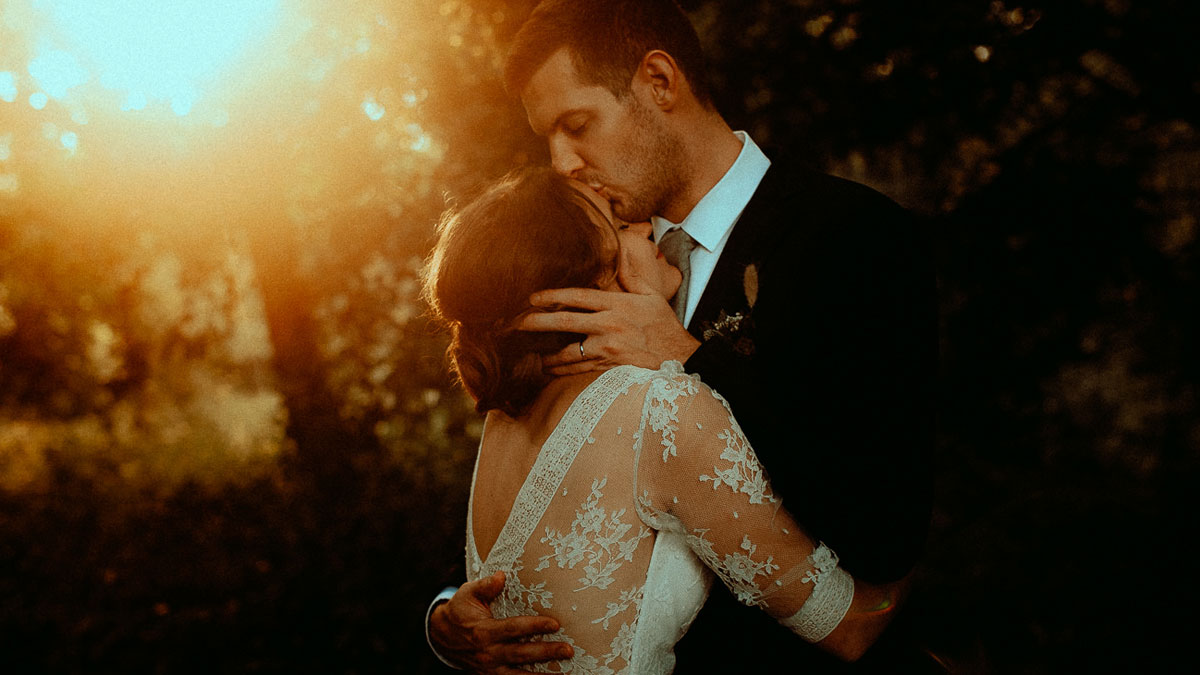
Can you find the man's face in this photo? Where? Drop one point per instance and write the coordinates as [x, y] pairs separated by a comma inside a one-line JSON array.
[[618, 147]]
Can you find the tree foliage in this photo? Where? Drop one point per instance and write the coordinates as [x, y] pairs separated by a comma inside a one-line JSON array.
[[228, 440]]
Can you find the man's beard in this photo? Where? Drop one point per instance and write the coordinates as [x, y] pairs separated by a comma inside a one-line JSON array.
[[656, 166]]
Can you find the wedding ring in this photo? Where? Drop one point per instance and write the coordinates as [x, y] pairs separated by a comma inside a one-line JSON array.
[[582, 356]]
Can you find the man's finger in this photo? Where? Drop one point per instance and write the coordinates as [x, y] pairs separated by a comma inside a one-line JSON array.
[[567, 356], [570, 322], [534, 652], [517, 628], [577, 298], [630, 280], [486, 589]]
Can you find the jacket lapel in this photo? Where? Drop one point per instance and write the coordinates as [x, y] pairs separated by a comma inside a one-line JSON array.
[[726, 289]]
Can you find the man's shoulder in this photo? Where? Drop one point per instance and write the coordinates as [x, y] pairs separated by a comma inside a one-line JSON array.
[[791, 184], [797, 207]]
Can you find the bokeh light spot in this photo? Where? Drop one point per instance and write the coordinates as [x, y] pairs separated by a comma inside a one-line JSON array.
[[70, 141], [373, 109], [56, 72], [816, 27], [38, 100], [983, 53], [8, 183], [8, 87]]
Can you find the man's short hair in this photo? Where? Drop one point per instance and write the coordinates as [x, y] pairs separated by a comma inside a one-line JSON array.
[[607, 40]]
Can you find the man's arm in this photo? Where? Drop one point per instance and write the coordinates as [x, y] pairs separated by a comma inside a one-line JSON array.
[[463, 633]]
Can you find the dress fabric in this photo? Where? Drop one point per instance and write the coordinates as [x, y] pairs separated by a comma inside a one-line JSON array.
[[644, 491]]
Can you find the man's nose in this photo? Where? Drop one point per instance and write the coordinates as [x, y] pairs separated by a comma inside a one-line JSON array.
[[563, 157]]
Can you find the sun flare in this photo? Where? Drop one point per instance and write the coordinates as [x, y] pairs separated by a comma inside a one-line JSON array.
[[148, 50]]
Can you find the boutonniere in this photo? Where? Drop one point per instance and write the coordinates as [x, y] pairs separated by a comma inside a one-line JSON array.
[[735, 328]]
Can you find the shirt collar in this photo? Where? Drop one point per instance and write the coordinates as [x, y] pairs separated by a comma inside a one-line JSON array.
[[714, 215]]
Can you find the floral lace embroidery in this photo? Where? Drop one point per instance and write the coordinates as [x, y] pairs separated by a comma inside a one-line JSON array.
[[621, 646], [518, 599], [631, 597], [552, 464], [612, 542], [597, 536], [746, 475], [662, 409], [737, 570]]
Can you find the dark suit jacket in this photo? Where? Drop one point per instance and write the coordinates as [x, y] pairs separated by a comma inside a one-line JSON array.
[[831, 377]]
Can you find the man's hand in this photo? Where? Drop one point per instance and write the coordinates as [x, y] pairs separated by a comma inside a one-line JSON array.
[[466, 634], [637, 327]]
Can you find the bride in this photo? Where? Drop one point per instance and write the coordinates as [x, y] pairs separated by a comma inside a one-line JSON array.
[[610, 500]]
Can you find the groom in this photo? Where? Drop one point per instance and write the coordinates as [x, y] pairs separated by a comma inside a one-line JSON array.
[[808, 304]]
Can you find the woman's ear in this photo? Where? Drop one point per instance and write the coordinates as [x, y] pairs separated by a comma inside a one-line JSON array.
[[659, 78]]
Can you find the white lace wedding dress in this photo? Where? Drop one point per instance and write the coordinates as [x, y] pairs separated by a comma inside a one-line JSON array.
[[644, 489]]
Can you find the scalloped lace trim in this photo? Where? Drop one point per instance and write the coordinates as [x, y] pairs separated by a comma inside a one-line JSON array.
[[833, 591]]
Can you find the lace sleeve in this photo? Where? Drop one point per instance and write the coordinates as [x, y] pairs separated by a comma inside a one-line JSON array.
[[698, 476]]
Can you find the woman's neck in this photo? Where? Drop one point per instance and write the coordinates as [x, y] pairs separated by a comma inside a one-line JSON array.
[[556, 397], [528, 431]]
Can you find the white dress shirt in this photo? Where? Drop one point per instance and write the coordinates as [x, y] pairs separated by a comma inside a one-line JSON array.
[[711, 221]]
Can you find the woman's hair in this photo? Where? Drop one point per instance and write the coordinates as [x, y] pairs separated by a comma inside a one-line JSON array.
[[528, 232]]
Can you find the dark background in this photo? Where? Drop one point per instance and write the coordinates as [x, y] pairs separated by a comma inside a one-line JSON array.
[[172, 500]]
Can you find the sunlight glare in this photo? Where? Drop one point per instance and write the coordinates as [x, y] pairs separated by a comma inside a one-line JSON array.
[[153, 50]]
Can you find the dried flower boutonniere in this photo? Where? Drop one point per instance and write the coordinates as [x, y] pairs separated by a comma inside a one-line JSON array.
[[735, 328]]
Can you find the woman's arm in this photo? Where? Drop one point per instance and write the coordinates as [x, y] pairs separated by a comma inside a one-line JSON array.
[[698, 476]]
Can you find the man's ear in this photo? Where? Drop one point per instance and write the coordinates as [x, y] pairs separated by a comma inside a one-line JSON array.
[[660, 78]]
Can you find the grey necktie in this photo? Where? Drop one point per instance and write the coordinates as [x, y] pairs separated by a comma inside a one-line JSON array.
[[676, 246]]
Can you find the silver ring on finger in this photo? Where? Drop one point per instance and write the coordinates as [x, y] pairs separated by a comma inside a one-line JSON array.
[[582, 356]]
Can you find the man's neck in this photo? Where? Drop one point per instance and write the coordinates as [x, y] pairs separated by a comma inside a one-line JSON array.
[[710, 149]]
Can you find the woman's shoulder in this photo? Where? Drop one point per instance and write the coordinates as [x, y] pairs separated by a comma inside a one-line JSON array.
[[670, 372], [669, 384]]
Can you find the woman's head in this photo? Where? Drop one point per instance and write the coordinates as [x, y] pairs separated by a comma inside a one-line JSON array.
[[530, 231]]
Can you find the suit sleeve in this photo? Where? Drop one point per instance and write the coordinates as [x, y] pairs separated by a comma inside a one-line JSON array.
[[839, 386]]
